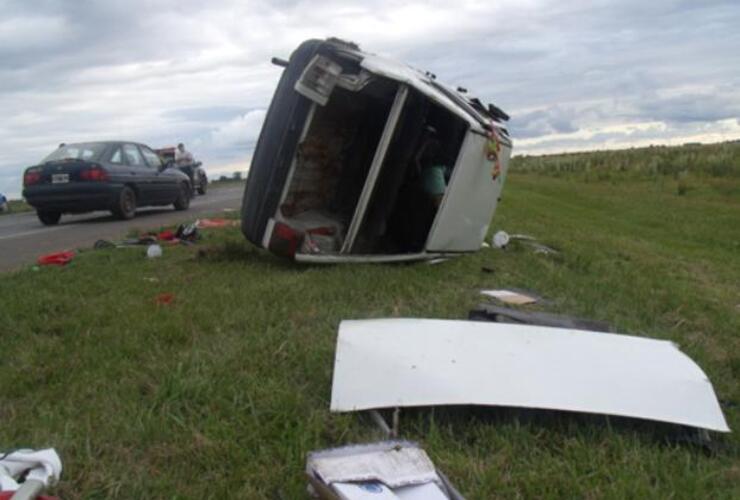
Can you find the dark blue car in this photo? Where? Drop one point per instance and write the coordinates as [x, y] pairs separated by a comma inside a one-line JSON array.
[[118, 176]]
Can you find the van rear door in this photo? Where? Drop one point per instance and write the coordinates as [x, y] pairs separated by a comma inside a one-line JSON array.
[[472, 195]]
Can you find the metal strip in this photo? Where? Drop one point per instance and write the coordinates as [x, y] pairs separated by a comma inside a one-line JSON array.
[[286, 187], [322, 258], [304, 133], [372, 177]]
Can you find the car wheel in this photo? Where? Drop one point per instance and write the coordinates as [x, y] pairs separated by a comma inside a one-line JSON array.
[[49, 218], [183, 199], [125, 207], [202, 185]]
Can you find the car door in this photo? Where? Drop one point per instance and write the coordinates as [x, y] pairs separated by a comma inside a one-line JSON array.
[[118, 169], [143, 175], [165, 184]]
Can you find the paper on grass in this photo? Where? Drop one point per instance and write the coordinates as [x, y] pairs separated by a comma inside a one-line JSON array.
[[387, 363], [509, 297]]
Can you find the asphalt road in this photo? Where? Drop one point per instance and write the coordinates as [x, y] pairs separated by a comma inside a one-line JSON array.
[[23, 238]]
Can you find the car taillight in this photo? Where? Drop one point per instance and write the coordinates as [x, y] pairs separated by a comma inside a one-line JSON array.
[[285, 240], [96, 173], [31, 177]]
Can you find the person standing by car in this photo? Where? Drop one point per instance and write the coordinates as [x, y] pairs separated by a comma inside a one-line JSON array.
[[183, 156]]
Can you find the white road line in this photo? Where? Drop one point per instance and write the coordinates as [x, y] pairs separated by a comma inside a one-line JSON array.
[[28, 233]]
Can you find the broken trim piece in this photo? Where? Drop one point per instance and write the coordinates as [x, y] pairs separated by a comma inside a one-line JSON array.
[[387, 363], [311, 258]]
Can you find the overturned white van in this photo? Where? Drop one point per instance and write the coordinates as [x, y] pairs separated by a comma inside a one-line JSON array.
[[364, 159]]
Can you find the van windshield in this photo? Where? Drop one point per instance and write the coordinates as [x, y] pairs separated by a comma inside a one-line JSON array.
[[461, 102], [81, 151]]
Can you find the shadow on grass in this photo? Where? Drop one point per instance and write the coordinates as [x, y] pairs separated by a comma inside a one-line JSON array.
[[241, 251], [562, 424]]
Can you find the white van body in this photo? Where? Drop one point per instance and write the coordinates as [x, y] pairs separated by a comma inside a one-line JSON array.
[[351, 188]]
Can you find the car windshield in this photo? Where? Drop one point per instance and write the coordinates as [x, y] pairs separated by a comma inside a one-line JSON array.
[[81, 151]]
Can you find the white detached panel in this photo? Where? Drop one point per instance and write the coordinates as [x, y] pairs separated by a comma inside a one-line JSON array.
[[387, 363]]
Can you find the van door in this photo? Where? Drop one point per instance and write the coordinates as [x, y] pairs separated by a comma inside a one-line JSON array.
[[471, 198]]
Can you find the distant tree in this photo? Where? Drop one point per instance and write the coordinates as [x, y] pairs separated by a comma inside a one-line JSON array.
[[223, 178], [237, 176]]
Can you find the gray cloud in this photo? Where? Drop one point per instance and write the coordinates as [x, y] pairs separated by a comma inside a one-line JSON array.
[[692, 108], [553, 120]]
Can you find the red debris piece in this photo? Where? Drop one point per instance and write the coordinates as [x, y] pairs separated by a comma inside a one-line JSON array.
[[56, 259], [164, 299], [166, 235]]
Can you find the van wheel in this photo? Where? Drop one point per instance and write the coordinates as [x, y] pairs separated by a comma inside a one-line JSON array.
[[49, 218], [125, 206], [183, 199]]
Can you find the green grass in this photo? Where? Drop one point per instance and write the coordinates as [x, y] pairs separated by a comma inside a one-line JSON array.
[[705, 160], [17, 206], [216, 182], [221, 394]]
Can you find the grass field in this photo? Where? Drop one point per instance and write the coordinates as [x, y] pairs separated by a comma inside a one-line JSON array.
[[222, 393], [16, 206]]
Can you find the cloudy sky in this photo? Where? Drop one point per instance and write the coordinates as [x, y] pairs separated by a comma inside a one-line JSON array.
[[574, 75]]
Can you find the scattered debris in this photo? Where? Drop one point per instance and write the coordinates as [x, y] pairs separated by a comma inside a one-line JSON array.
[[487, 312], [500, 239], [101, 244], [146, 239], [510, 297], [389, 470], [539, 248], [151, 280], [164, 299], [29, 472], [215, 223], [187, 233], [166, 235], [389, 363], [437, 261], [487, 269], [522, 237], [56, 259], [154, 251]]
